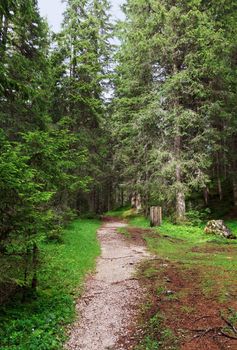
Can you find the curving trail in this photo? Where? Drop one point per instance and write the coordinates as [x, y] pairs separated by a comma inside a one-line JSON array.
[[110, 302]]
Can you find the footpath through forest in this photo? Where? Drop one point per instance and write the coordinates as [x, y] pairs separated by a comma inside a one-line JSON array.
[[110, 302], [180, 296]]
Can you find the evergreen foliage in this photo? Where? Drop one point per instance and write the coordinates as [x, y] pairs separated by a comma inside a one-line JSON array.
[[52, 118], [84, 130], [83, 55], [173, 109]]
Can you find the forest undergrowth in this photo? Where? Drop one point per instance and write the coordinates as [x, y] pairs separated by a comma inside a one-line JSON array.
[[40, 323]]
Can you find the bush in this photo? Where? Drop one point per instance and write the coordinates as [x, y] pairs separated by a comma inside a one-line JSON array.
[[196, 217], [90, 216], [55, 235]]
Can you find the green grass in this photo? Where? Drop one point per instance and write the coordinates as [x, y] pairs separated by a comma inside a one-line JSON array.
[[123, 213], [119, 212], [182, 241], [179, 242], [157, 336], [139, 221], [191, 248], [40, 323], [186, 243], [186, 248]]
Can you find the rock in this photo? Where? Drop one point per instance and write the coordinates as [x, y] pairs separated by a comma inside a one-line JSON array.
[[218, 228], [169, 292]]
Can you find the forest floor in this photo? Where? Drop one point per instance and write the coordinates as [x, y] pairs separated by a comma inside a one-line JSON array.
[[110, 304], [171, 288], [191, 288]]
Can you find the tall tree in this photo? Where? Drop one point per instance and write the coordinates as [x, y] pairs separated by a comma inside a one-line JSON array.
[[23, 63], [38, 157], [83, 52], [176, 117]]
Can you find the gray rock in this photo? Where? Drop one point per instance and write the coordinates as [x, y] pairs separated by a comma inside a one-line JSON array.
[[218, 228]]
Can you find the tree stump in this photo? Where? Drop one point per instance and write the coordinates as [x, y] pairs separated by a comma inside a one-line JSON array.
[[155, 216]]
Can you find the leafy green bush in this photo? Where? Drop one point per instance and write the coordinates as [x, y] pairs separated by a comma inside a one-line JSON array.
[[55, 235], [197, 217]]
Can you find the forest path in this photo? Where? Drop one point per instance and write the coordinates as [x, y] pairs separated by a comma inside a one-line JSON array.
[[110, 302]]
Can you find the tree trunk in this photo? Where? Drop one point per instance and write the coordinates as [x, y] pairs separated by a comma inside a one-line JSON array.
[[136, 201], [235, 192], [220, 189], [122, 197], [109, 197], [180, 196], [35, 256], [4, 33], [180, 207], [206, 195], [234, 172], [146, 204], [27, 261], [219, 177], [1, 20], [133, 200]]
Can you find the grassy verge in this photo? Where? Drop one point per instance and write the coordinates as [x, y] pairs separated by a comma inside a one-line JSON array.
[[190, 245], [40, 323], [190, 285], [193, 279]]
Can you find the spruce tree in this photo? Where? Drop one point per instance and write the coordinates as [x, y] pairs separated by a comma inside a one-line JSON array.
[[182, 51], [83, 52], [37, 156], [24, 82]]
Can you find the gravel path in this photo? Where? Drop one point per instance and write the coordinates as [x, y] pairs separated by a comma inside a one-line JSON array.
[[109, 304]]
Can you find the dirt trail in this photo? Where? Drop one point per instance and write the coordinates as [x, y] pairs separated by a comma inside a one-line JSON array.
[[109, 304]]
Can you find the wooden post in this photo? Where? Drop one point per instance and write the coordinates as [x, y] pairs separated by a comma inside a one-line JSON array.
[[155, 216]]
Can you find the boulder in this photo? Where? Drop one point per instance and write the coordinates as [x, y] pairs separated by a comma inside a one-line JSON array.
[[218, 228]]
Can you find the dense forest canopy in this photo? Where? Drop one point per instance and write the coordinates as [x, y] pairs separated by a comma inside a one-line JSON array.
[[167, 136], [174, 107]]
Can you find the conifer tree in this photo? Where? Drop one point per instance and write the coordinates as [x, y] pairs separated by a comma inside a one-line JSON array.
[[24, 67], [182, 52], [37, 156], [84, 55]]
